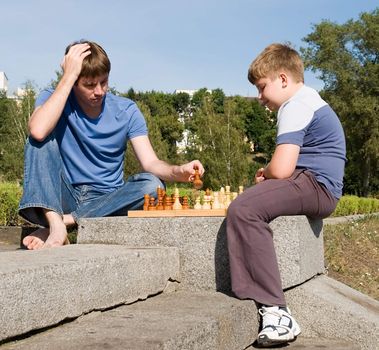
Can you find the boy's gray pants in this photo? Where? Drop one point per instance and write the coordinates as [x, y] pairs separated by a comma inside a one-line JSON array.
[[253, 263]]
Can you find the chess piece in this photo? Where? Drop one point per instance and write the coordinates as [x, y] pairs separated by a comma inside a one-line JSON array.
[[176, 205], [197, 203], [146, 203], [234, 195], [167, 203], [207, 199], [185, 203], [227, 197], [160, 199], [152, 204], [240, 189], [216, 201], [197, 183]]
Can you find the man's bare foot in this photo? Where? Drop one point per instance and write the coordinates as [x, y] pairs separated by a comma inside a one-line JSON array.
[[57, 236], [36, 239]]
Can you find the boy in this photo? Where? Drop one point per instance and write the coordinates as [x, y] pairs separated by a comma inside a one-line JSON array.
[[304, 177], [75, 153]]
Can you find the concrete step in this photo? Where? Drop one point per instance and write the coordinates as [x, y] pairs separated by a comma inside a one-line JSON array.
[[203, 247], [181, 320], [41, 288]]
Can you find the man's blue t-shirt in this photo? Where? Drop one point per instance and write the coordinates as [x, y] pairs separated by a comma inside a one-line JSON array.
[[93, 150], [308, 121]]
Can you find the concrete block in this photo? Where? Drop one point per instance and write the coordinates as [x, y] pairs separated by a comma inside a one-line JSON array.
[[326, 308], [180, 320], [203, 246], [41, 288]]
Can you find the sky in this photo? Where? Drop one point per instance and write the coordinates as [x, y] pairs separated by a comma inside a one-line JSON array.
[[161, 45]]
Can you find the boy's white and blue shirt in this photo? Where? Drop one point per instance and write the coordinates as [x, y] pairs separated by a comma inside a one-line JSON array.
[[308, 121]]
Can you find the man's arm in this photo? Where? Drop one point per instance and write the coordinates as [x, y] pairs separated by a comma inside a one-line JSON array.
[[282, 164], [45, 117], [150, 163]]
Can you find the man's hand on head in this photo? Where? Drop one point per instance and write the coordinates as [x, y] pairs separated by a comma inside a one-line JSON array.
[[73, 60]]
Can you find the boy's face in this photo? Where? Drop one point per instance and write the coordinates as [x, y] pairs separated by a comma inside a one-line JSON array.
[[90, 91], [271, 92]]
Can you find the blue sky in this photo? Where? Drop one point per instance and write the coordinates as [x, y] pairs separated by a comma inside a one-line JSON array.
[[161, 45]]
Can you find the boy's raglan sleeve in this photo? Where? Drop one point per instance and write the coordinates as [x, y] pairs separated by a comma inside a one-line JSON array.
[[293, 121]]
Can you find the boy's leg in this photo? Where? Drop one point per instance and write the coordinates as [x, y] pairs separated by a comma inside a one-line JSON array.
[[45, 191], [128, 197], [253, 263]]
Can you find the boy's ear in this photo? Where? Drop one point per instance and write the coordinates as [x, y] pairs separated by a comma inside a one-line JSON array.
[[284, 79]]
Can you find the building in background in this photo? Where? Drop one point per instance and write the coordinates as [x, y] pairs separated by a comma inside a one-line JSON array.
[[3, 81]]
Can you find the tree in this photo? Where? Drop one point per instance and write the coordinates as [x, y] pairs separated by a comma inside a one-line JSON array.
[[346, 57], [218, 141], [160, 147], [14, 116]]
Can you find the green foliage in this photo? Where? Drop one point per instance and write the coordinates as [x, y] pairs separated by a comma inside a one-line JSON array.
[[218, 141], [14, 116], [10, 194], [347, 59], [351, 205]]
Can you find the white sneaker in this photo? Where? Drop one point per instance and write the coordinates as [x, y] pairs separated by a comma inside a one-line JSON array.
[[278, 326]]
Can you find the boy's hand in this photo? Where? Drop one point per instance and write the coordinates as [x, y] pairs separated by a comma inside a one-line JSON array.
[[73, 60], [259, 176]]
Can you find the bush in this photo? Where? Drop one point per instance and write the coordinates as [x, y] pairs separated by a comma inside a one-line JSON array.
[[351, 205], [10, 195]]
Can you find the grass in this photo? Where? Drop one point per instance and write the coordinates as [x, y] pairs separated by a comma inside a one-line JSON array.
[[352, 254]]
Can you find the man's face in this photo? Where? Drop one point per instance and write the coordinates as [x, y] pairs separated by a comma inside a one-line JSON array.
[[90, 91]]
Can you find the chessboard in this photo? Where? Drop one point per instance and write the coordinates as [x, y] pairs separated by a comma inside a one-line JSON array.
[[214, 204], [175, 213]]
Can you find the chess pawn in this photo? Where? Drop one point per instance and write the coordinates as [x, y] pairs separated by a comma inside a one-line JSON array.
[[216, 202], [167, 203], [197, 203], [221, 197], [176, 205], [207, 199], [152, 204], [234, 195], [240, 189], [197, 183]]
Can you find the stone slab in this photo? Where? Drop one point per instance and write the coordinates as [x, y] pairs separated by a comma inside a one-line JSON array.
[[180, 320], [327, 308], [41, 288], [203, 246]]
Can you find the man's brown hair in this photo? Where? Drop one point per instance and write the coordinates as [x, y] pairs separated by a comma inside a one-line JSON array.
[[273, 59], [95, 64]]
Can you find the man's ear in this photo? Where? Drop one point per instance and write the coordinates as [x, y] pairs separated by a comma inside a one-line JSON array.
[[284, 79]]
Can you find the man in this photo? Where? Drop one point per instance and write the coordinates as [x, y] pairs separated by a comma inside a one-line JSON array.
[[75, 153]]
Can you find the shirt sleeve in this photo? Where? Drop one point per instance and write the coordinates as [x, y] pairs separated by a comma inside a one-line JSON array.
[[293, 122]]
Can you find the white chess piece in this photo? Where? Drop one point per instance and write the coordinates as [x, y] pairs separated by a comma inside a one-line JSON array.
[[197, 203], [227, 197], [216, 202], [176, 205]]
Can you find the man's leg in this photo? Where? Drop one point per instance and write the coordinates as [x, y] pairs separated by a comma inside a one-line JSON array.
[[128, 197], [46, 195], [253, 263]]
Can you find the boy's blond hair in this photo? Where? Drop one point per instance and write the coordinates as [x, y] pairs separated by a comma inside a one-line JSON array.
[[95, 64], [275, 58]]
